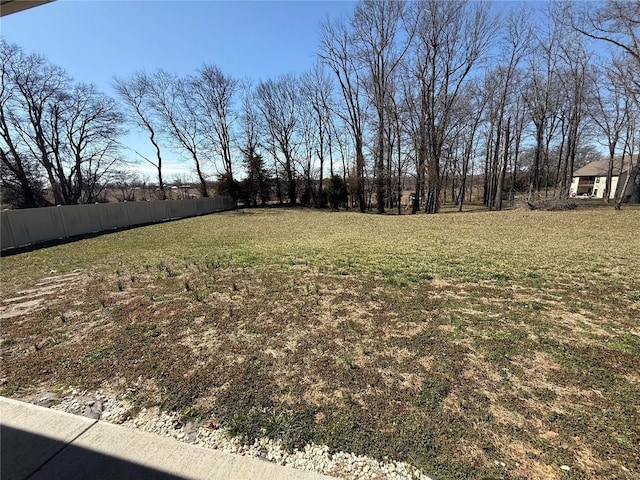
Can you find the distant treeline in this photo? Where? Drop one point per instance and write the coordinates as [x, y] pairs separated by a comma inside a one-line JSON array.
[[432, 91]]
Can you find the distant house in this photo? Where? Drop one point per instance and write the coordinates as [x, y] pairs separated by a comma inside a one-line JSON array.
[[590, 180]]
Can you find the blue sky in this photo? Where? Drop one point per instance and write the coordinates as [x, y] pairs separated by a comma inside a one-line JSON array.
[[96, 39]]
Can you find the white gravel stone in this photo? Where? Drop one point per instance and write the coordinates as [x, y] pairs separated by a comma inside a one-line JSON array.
[[312, 457]]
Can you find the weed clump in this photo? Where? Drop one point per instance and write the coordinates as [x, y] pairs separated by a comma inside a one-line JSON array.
[[551, 204]]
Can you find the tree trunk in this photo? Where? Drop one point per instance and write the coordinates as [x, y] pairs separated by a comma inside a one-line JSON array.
[[422, 156], [359, 173], [503, 167], [607, 187], [534, 183], [433, 191], [203, 183], [379, 173]]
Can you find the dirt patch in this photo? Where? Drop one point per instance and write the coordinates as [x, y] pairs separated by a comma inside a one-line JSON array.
[[32, 299], [578, 325]]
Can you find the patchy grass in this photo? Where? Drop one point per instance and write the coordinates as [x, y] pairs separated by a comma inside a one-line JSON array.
[[476, 345]]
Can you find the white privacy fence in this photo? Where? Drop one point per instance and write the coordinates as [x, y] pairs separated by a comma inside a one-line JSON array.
[[34, 225]]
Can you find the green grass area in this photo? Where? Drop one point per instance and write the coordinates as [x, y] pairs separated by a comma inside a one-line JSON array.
[[475, 345]]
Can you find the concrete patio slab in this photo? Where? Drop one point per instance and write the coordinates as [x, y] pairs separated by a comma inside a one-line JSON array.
[[30, 436], [40, 443]]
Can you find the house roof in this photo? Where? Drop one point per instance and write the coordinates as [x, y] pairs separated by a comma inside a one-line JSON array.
[[8, 7], [599, 168]]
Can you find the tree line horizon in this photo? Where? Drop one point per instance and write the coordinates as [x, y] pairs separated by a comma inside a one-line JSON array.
[[431, 91]]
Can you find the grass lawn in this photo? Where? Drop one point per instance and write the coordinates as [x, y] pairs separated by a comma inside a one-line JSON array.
[[474, 345]]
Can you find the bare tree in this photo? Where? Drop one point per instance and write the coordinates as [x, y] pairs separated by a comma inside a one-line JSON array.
[[277, 100], [515, 43], [50, 126], [308, 140], [125, 181], [630, 136], [616, 22], [336, 52], [609, 112], [316, 91], [173, 101], [136, 94], [38, 89], [214, 94], [376, 26], [631, 143], [542, 97], [398, 144], [474, 102], [451, 39], [92, 125], [575, 62], [257, 183], [19, 170]]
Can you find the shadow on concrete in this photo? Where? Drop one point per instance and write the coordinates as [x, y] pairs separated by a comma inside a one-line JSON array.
[[25, 455]]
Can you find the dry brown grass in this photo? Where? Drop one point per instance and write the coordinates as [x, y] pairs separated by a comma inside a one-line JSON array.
[[491, 346]]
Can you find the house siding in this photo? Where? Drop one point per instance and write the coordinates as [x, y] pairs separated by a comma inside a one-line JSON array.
[[592, 180], [582, 185], [600, 184], [594, 186]]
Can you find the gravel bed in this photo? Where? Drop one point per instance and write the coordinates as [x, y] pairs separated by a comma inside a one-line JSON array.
[[104, 406]]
